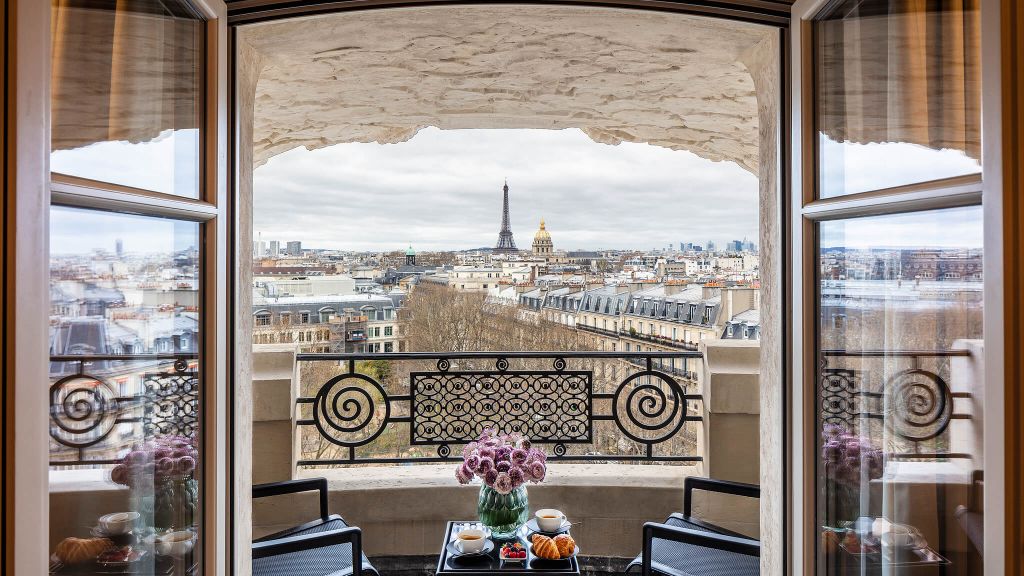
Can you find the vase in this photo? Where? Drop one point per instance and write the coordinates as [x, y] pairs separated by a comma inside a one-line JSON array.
[[174, 503], [503, 514]]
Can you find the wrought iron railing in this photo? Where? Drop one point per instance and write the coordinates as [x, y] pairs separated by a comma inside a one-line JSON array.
[[445, 405], [910, 397], [93, 420]]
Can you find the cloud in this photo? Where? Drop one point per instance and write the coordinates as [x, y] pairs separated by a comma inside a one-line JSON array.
[[442, 191]]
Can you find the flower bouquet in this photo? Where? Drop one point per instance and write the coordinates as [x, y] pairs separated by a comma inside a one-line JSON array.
[[849, 460], [504, 463], [166, 466]]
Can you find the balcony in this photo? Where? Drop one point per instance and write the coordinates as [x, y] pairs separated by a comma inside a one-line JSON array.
[[388, 441]]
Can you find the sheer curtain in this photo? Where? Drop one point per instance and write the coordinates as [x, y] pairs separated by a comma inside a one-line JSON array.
[[123, 70], [902, 71]]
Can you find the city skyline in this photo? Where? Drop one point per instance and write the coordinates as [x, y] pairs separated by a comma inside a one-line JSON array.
[[592, 196]]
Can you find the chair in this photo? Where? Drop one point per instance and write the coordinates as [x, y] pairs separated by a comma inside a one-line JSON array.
[[686, 546], [325, 546]]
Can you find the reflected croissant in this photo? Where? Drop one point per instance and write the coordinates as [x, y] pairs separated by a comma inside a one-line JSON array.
[[78, 550], [544, 547], [565, 544]]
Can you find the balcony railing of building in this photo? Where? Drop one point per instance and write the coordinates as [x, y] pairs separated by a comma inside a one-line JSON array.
[[909, 392], [449, 405], [654, 339], [103, 403]]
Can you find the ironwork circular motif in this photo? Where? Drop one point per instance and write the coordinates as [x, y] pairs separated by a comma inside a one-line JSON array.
[[443, 364], [444, 450], [83, 410], [345, 413], [649, 408], [559, 364], [501, 364], [180, 365], [559, 449], [840, 403], [920, 404]]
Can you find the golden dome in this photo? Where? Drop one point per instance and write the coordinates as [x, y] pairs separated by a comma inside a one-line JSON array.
[[542, 234]]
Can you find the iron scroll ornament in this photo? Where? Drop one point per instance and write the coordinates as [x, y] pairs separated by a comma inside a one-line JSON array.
[[340, 410], [920, 404], [83, 410], [649, 408]]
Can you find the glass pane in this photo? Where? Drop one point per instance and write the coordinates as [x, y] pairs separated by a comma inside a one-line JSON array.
[[127, 93], [900, 397], [124, 393], [898, 93]]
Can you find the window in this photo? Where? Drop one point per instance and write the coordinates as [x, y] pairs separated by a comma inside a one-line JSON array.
[[303, 317], [388, 330], [325, 315], [917, 394], [263, 318], [99, 447], [895, 80], [116, 117], [898, 403], [389, 347]]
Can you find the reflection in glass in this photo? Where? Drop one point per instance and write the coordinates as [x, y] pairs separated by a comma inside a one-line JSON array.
[[127, 93], [124, 392], [898, 93], [899, 394]]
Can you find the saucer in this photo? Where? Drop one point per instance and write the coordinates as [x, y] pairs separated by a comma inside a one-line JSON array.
[[455, 550], [533, 528]]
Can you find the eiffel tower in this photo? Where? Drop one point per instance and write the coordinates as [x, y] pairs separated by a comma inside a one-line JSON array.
[[506, 244]]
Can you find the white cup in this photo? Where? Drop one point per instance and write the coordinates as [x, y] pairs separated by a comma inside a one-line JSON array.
[[899, 536], [549, 519], [119, 522], [175, 543], [471, 540]]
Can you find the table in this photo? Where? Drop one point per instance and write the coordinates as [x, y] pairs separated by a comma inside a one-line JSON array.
[[490, 565], [923, 561]]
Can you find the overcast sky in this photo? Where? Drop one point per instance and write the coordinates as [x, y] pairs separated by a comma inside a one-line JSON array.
[[441, 190]]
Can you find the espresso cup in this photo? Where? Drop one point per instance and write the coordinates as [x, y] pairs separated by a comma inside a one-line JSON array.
[[119, 522], [549, 519], [471, 540], [175, 543], [899, 536]]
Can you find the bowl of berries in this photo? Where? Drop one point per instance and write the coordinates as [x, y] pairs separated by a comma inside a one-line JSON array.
[[513, 552]]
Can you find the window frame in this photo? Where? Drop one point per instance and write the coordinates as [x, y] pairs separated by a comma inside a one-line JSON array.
[[31, 33], [805, 211]]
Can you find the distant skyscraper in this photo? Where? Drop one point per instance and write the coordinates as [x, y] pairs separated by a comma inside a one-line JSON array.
[[275, 248], [294, 248], [259, 249], [506, 244], [119, 247], [735, 246], [711, 246]]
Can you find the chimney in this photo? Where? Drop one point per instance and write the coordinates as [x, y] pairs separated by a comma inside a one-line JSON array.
[[672, 288], [710, 291]]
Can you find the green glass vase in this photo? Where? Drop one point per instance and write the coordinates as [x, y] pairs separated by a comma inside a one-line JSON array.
[[503, 514]]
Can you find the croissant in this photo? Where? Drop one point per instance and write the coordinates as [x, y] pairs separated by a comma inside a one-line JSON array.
[[78, 550], [565, 544], [544, 547]]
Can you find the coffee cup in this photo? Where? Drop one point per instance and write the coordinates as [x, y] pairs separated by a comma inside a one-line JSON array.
[[119, 522], [899, 536], [471, 540], [549, 519], [175, 543]]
